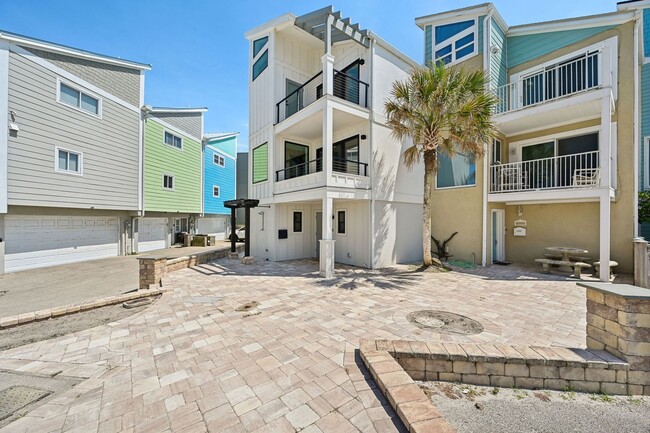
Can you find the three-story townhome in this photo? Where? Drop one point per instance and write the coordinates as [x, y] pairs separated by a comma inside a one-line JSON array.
[[322, 161], [219, 182], [70, 172], [172, 176], [563, 172]]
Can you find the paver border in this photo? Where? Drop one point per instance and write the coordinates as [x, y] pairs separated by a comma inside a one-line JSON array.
[[35, 316]]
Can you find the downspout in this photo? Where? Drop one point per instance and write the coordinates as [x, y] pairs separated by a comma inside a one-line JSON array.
[[486, 67], [371, 153], [637, 123]]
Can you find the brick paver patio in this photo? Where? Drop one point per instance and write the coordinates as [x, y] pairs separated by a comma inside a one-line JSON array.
[[192, 363]]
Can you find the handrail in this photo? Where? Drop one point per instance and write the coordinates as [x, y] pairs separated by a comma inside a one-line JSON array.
[[316, 165], [556, 172], [295, 92], [351, 89], [563, 79]]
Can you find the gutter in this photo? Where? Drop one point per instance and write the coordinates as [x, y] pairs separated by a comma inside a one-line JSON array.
[[637, 124], [486, 67]]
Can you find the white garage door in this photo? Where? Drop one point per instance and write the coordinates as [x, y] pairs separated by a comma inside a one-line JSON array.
[[152, 234], [38, 241]]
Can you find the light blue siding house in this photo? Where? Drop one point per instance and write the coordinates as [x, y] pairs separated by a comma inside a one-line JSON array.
[[219, 181]]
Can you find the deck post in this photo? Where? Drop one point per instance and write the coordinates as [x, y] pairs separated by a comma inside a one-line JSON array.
[[327, 251], [233, 228]]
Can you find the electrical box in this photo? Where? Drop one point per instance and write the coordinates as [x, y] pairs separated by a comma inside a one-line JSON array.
[[283, 234], [519, 231]]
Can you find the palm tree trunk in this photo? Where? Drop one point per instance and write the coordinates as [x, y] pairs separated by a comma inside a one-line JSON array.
[[429, 171]]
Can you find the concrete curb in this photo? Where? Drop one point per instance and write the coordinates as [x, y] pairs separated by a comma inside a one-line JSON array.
[[35, 316]]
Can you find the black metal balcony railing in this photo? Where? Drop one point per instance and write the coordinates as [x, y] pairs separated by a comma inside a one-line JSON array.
[[316, 165], [345, 87]]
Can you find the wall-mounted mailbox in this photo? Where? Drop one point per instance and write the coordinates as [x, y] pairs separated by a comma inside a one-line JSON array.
[[283, 234], [519, 231]]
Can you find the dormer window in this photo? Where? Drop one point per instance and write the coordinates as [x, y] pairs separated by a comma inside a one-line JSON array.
[[455, 42]]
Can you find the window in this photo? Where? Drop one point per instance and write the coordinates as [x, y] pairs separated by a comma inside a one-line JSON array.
[[219, 160], [297, 222], [78, 99], [260, 65], [455, 41], [263, 60], [340, 222], [215, 191], [68, 162], [261, 163], [259, 44], [296, 157], [168, 181], [345, 156], [455, 171], [173, 140]]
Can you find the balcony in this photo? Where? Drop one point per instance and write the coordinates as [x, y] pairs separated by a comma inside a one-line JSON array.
[[561, 80], [575, 171], [345, 86], [345, 174]]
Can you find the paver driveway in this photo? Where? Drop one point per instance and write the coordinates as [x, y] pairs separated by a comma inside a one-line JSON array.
[[192, 363]]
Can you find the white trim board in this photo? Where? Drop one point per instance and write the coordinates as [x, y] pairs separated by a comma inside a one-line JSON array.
[[4, 114], [71, 77], [173, 128], [73, 52]]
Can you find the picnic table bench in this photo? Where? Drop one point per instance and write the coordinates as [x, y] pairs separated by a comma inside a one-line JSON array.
[[577, 266], [612, 264]]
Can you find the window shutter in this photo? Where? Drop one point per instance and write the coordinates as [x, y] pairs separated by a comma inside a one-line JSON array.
[[261, 163]]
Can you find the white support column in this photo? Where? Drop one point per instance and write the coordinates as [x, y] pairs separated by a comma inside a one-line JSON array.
[[328, 140], [605, 142], [605, 185], [328, 74], [327, 243], [605, 237]]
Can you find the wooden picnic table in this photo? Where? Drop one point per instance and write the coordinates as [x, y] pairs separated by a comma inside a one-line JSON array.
[[567, 252]]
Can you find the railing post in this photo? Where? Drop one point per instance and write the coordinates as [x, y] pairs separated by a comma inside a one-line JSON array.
[[640, 262]]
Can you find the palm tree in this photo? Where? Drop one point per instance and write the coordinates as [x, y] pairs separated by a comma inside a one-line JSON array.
[[440, 109]]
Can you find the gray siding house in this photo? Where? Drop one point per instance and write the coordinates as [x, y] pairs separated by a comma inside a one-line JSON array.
[[71, 159]]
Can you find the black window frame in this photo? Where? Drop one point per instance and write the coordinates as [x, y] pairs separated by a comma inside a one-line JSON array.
[[296, 222], [341, 222]]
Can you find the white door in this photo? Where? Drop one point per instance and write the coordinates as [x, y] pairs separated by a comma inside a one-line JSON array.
[[152, 234], [498, 235], [39, 241]]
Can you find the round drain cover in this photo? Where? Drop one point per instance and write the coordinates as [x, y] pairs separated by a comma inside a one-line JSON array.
[[444, 321]]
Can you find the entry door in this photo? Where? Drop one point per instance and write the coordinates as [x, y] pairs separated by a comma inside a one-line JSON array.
[[319, 232], [498, 235]]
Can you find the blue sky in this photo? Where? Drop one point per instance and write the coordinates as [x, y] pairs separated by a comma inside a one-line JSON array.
[[197, 48]]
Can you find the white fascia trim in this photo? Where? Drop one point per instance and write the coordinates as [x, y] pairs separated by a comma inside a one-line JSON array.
[[469, 12], [173, 128], [71, 77], [609, 19], [72, 52], [4, 114], [633, 5], [155, 110], [219, 135], [393, 50], [262, 30]]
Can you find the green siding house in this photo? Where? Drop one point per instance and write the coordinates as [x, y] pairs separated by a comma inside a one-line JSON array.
[[172, 175]]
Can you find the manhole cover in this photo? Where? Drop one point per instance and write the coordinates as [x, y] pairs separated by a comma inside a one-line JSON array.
[[15, 398], [443, 321]]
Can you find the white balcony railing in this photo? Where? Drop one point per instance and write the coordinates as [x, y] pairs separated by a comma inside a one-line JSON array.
[[578, 170], [563, 79]]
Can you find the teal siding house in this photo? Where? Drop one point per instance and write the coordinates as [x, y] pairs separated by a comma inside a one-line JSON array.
[[219, 181]]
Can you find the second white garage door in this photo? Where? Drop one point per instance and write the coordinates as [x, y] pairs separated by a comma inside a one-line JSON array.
[[39, 241], [152, 234]]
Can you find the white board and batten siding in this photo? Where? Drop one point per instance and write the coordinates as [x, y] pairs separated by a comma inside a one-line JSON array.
[[153, 234], [109, 145], [40, 241]]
